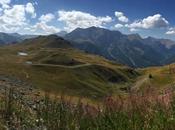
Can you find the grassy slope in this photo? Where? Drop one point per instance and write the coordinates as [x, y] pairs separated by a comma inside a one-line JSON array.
[[70, 71], [161, 78], [97, 79]]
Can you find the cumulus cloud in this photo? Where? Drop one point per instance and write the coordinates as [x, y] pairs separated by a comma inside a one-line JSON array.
[[46, 29], [121, 17], [1, 11], [43, 27], [119, 25], [5, 3], [155, 21], [47, 18], [30, 9], [171, 31], [14, 17], [74, 19], [133, 29]]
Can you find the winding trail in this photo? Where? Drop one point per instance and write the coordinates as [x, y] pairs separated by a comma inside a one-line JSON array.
[[62, 66], [140, 82]]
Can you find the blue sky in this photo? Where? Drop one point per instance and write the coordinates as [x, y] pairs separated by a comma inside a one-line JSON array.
[[146, 17]]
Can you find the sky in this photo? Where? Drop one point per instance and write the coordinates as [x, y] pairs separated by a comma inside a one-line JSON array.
[[146, 17]]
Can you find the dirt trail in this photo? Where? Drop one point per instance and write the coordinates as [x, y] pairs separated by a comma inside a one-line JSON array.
[[62, 66], [140, 82]]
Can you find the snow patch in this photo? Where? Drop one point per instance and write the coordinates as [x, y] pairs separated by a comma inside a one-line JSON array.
[[22, 54]]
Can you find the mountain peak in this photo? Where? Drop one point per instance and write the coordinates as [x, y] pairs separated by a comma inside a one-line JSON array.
[[93, 28], [61, 33], [53, 36], [134, 37], [151, 38]]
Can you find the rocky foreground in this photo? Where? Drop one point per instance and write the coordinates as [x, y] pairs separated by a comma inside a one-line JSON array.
[[17, 96]]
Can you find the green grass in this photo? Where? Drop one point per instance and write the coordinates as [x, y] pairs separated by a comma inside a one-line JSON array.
[[71, 72], [76, 73], [161, 77], [67, 70], [94, 77]]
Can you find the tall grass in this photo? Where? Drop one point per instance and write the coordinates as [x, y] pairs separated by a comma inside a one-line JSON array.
[[146, 111]]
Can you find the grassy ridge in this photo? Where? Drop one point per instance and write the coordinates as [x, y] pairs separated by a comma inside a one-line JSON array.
[[59, 68], [65, 70], [161, 77]]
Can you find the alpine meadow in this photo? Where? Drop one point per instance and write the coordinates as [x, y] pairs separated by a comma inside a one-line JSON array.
[[87, 65]]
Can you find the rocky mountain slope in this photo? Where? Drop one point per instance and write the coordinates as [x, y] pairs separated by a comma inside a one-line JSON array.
[[131, 49]]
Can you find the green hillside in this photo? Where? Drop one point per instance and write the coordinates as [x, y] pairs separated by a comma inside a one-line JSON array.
[[158, 78], [55, 66]]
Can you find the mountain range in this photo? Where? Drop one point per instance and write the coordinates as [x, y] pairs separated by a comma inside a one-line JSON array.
[[12, 38], [131, 50], [80, 73]]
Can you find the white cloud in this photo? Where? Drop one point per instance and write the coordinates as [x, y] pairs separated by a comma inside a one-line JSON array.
[[119, 25], [133, 29], [35, 3], [5, 3], [74, 19], [171, 31], [44, 28], [14, 17], [1, 11], [47, 18], [30, 9], [121, 17], [155, 21]]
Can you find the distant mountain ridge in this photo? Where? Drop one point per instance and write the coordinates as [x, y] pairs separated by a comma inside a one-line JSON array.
[[12, 38], [61, 33], [131, 50], [8, 38]]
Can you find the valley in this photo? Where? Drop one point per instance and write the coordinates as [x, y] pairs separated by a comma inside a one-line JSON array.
[[47, 76], [63, 69], [87, 65], [53, 64]]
